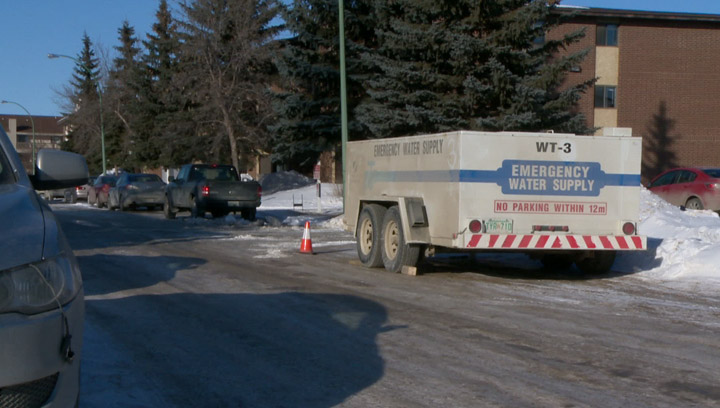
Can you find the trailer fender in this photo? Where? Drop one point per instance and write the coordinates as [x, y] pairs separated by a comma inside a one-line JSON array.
[[413, 215]]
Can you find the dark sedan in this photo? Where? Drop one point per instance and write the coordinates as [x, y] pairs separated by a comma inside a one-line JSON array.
[[137, 190]]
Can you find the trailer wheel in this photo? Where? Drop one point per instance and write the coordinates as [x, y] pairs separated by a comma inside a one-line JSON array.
[[596, 262], [395, 251], [368, 235], [557, 261]]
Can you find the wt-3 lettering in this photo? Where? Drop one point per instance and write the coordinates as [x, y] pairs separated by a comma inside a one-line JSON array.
[[552, 147]]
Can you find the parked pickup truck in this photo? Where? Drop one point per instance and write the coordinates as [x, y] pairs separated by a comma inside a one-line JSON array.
[[216, 188]]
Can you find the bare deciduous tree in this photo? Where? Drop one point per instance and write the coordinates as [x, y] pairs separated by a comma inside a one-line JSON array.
[[226, 61]]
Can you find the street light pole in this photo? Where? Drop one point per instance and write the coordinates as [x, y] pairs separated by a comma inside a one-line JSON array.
[[32, 122], [99, 92], [343, 97]]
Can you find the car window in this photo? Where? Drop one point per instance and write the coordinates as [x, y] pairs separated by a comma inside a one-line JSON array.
[[221, 174], [6, 173], [111, 180], [714, 173], [665, 179], [686, 176], [183, 173], [145, 178], [196, 173]]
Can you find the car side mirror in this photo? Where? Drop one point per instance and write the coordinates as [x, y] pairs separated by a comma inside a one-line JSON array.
[[57, 169], [171, 179]]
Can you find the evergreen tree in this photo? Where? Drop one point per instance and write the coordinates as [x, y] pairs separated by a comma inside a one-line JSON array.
[[308, 107], [120, 96], [84, 122], [226, 66], [448, 65], [164, 130]]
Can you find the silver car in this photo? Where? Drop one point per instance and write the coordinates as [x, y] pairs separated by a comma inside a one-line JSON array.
[[81, 192], [41, 293], [137, 190]]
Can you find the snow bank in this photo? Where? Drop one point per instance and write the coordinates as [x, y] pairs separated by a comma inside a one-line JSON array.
[[284, 180], [682, 245], [293, 205]]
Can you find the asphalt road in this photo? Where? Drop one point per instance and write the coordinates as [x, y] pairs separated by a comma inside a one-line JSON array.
[[201, 314]]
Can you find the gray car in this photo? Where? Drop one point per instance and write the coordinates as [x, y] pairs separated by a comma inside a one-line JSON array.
[[41, 293], [137, 190]]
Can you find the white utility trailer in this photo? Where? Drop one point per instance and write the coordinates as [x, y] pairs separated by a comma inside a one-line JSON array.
[[562, 198]]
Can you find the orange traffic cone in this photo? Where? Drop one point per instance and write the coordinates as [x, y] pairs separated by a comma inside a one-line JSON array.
[[306, 245]]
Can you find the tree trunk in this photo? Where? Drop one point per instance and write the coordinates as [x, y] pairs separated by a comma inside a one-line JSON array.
[[231, 138]]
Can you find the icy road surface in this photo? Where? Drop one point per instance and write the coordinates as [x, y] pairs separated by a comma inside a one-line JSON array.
[[203, 313]]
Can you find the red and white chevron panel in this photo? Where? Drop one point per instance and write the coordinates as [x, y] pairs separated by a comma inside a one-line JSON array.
[[597, 242]]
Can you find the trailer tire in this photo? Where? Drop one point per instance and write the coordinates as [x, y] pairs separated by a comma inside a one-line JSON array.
[[396, 253], [368, 235], [557, 261], [596, 262]]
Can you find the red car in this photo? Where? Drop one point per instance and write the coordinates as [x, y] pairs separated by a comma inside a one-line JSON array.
[[98, 193], [691, 187]]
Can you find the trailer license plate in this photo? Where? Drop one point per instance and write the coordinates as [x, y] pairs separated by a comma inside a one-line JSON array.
[[233, 203], [499, 226]]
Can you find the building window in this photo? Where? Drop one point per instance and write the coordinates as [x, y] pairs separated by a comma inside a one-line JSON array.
[[607, 35], [22, 138], [539, 40], [605, 96]]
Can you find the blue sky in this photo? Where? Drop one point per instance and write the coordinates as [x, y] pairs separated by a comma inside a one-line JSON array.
[[30, 29]]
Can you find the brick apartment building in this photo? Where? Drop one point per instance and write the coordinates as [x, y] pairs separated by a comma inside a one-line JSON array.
[[659, 75], [49, 134]]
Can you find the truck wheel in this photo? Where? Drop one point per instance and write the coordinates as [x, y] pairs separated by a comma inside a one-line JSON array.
[[368, 235], [249, 214], [195, 209], [395, 251], [168, 210], [694, 204], [596, 262]]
